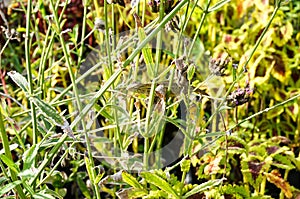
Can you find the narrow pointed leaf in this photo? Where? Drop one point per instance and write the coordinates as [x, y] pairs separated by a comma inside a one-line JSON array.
[[48, 111], [29, 156], [218, 5], [129, 179], [203, 186], [9, 187], [19, 80], [159, 182]]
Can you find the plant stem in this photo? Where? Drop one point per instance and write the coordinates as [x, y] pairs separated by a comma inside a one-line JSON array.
[[76, 94], [29, 72], [5, 144], [241, 73], [161, 25], [204, 14], [265, 110]]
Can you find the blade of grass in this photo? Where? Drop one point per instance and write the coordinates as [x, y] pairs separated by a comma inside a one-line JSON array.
[[8, 155]]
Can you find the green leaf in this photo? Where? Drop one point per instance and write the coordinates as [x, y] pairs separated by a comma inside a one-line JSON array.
[[99, 177], [42, 196], [159, 182], [90, 170], [48, 111], [83, 188], [9, 187], [29, 156], [218, 5], [129, 179], [190, 72], [203, 186], [156, 194], [10, 163], [19, 80], [137, 193], [147, 54], [3, 179], [25, 174], [283, 162]]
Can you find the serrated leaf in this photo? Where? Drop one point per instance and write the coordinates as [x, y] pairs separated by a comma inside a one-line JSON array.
[[129, 179], [283, 162], [156, 194], [203, 186], [218, 5], [159, 182], [9, 187], [137, 193], [280, 183], [19, 80]]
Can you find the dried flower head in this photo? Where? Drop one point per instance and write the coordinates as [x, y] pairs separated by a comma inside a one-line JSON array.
[[218, 66], [239, 96], [99, 24]]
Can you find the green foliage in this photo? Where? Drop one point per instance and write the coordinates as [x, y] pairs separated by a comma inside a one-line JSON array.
[[234, 144]]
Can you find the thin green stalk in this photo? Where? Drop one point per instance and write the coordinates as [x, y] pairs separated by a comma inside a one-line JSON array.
[[241, 73], [160, 26], [49, 158], [97, 8], [146, 153], [58, 163], [143, 12], [116, 132], [204, 14], [47, 47], [152, 90], [29, 72], [85, 5], [263, 186], [5, 145], [182, 181], [76, 94], [265, 111]]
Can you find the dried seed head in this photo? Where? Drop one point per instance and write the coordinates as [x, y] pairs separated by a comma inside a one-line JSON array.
[[99, 24], [218, 66], [161, 91], [239, 96]]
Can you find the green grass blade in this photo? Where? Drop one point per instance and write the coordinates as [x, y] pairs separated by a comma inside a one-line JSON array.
[[29, 156], [9, 187], [218, 5]]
